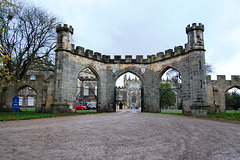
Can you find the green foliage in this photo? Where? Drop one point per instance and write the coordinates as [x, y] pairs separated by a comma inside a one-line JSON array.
[[8, 116], [6, 14], [167, 95], [232, 100]]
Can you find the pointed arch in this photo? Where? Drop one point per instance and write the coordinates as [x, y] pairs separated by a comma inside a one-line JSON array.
[[138, 99], [234, 86], [93, 92], [28, 96], [122, 72], [23, 86], [94, 70], [167, 68]]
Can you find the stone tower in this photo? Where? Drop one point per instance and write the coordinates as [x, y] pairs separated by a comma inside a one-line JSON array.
[[62, 68], [197, 71]]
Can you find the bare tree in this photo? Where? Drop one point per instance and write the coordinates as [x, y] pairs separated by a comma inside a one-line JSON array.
[[175, 76], [29, 39], [209, 68]]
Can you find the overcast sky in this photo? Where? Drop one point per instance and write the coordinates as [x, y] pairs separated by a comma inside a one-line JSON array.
[[146, 27]]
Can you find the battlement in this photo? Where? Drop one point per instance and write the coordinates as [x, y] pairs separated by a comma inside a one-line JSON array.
[[223, 77], [194, 27], [170, 53], [65, 27], [120, 87], [179, 50]]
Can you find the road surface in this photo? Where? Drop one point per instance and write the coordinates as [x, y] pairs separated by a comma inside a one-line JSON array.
[[122, 135]]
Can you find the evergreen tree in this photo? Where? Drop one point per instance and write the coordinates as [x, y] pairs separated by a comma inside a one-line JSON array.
[[167, 96], [232, 100]]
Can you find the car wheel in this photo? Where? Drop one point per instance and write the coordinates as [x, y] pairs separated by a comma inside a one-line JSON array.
[[82, 109]]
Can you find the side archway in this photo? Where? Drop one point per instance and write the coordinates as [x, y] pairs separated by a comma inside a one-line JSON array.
[[88, 84], [27, 97], [232, 98], [170, 89]]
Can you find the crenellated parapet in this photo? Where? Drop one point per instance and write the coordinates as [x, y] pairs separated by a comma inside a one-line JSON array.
[[64, 44], [194, 26], [179, 50], [65, 28], [120, 87], [235, 78]]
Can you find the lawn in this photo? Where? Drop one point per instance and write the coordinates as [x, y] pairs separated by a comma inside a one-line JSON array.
[[172, 111], [31, 114], [230, 114]]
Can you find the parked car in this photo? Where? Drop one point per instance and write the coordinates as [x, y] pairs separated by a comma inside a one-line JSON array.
[[91, 105], [80, 107]]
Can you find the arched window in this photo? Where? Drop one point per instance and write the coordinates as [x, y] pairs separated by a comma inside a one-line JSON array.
[[134, 98]]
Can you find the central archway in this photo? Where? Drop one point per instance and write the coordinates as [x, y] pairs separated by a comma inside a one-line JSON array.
[[128, 92]]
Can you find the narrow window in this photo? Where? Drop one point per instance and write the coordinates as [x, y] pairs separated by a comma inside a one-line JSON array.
[[200, 65], [201, 83], [20, 101], [59, 81], [30, 101]]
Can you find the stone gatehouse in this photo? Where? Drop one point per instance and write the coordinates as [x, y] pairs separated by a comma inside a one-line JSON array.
[[188, 61], [58, 93]]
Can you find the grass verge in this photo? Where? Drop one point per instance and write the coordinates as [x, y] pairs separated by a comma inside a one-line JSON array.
[[229, 115], [30, 114], [171, 111]]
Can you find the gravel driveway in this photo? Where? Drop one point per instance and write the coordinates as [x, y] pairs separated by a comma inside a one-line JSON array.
[[121, 135]]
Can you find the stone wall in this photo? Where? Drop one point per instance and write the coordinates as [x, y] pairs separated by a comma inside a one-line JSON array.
[[42, 86], [216, 90]]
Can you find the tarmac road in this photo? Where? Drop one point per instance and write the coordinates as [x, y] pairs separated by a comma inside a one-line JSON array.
[[122, 135]]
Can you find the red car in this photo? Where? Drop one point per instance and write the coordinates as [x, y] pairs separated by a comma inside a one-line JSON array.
[[80, 107]]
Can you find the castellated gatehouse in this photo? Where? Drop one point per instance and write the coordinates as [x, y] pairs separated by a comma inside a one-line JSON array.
[[59, 91]]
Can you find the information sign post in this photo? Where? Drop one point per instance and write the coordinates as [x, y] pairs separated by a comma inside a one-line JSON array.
[[15, 104]]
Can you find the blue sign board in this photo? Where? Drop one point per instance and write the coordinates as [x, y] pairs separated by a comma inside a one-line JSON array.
[[15, 104]]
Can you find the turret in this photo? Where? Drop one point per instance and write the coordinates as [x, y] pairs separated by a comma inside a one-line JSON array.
[[195, 36], [62, 62], [64, 37], [197, 71]]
